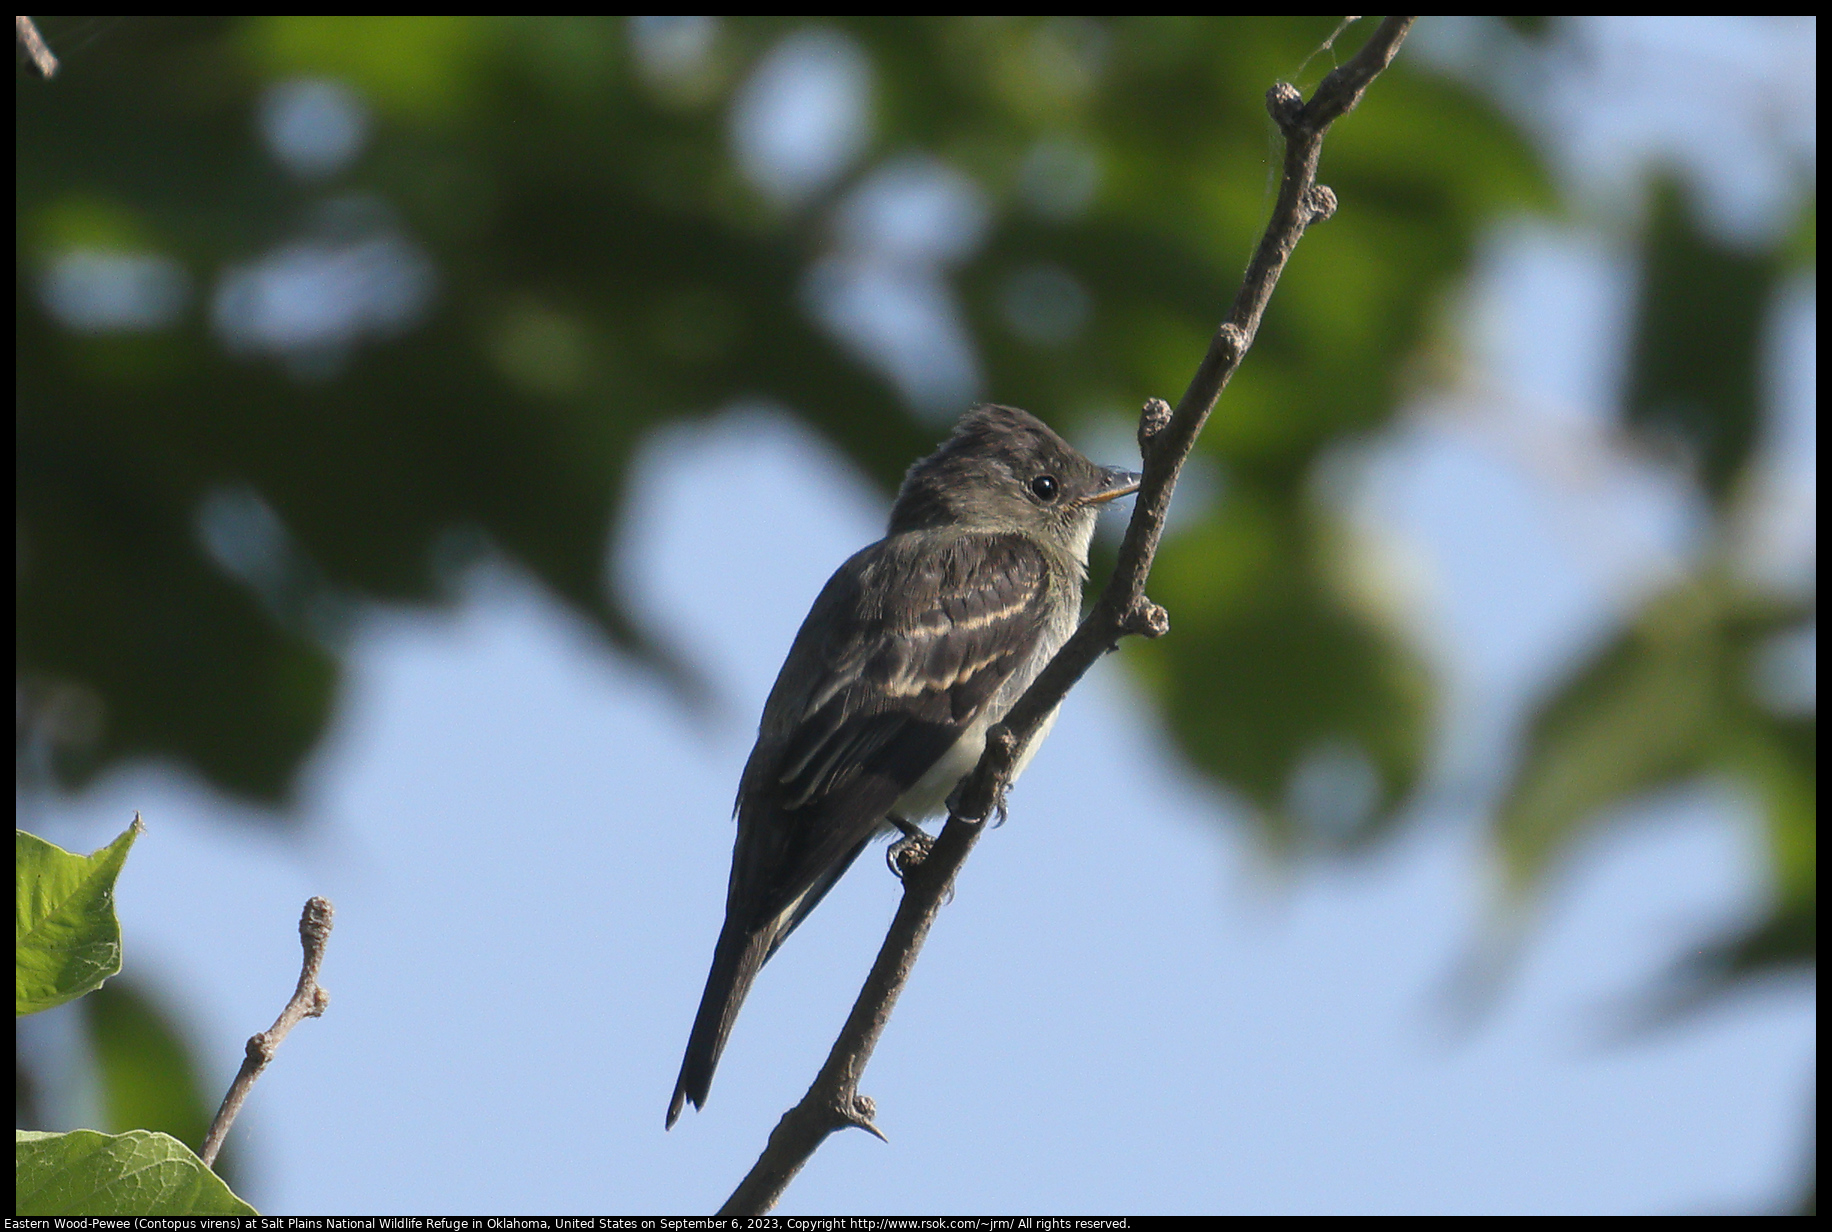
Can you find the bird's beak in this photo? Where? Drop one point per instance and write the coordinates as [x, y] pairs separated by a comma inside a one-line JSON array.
[[1114, 483]]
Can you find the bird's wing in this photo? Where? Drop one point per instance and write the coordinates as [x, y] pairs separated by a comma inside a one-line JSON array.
[[871, 697]]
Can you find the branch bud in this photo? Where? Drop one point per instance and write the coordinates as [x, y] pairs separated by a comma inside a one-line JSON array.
[[1145, 619], [1320, 203], [1153, 419], [1285, 105]]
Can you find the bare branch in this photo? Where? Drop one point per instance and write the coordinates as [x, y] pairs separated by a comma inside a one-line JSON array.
[[308, 1001], [35, 48], [1166, 438]]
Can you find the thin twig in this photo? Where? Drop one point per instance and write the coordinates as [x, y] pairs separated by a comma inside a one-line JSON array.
[[35, 48], [309, 1001], [1165, 440]]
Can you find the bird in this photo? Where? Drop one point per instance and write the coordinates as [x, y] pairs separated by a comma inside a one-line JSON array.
[[915, 647]]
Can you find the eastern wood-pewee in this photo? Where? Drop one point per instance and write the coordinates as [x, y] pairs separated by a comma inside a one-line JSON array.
[[915, 647]]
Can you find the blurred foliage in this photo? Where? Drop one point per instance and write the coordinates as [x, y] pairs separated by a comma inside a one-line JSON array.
[[199, 503], [1676, 696], [1695, 371], [148, 1078], [544, 241], [1690, 687], [147, 1074]]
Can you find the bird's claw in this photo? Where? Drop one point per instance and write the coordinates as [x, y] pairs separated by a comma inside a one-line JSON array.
[[907, 853]]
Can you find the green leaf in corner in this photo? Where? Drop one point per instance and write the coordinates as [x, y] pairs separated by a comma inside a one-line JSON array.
[[66, 939], [136, 1173]]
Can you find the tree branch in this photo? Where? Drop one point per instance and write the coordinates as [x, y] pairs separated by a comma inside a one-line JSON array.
[[1166, 438], [34, 45], [308, 1001]]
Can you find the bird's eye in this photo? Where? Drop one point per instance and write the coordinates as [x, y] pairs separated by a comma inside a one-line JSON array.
[[1043, 487]]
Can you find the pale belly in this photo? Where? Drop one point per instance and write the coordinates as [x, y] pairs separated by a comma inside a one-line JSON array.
[[929, 796]]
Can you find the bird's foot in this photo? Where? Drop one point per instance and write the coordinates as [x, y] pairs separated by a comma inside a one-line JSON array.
[[907, 853]]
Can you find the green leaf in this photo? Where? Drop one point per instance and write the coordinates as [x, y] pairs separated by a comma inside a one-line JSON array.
[[136, 1173], [66, 938]]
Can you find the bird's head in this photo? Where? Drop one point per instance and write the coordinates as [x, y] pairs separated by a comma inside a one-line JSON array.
[[1003, 470]]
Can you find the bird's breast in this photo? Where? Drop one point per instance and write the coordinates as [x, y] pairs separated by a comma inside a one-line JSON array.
[[929, 796]]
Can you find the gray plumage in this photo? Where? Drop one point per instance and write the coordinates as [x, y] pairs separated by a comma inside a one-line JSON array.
[[915, 647]]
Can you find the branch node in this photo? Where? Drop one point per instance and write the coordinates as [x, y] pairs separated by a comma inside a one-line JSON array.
[[1145, 619], [860, 1113], [1154, 417], [1285, 105], [1231, 340], [1320, 203], [981, 794]]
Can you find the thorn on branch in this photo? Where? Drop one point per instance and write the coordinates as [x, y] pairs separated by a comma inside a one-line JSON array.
[[860, 1114]]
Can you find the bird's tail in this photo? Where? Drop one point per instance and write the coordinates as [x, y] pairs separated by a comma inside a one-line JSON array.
[[736, 960]]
